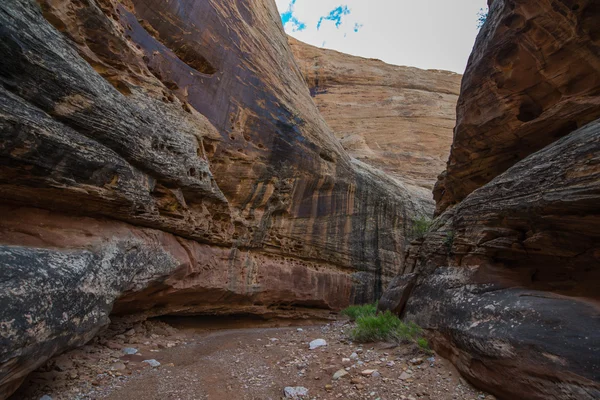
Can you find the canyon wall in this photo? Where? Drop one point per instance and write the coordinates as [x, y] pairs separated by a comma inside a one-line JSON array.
[[507, 280], [167, 158], [397, 119], [532, 78]]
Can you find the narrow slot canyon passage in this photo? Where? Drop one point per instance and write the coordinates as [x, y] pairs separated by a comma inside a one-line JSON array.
[[241, 357]]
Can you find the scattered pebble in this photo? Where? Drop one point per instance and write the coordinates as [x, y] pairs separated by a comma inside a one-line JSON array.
[[317, 343], [298, 392], [340, 374], [256, 368], [368, 372], [153, 363], [130, 350], [404, 376]]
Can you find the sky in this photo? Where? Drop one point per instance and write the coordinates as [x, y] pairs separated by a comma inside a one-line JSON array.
[[428, 34]]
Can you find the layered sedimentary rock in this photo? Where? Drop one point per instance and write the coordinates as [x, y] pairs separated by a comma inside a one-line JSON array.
[[163, 158], [533, 77], [398, 119], [508, 279]]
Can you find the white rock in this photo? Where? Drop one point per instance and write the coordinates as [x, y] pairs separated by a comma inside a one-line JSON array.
[[346, 361], [340, 374], [404, 376], [416, 361], [130, 350], [354, 356], [298, 392], [317, 343], [45, 397], [153, 363], [299, 330], [368, 372]]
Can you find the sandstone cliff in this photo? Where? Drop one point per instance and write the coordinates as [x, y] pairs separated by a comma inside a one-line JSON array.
[[531, 79], [397, 119], [507, 281], [166, 157]]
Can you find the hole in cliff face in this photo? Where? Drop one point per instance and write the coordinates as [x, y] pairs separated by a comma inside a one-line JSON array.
[[209, 148], [529, 111], [507, 55], [195, 60], [120, 85], [185, 53], [514, 21], [327, 155]]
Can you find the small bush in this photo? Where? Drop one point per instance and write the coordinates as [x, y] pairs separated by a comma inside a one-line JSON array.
[[384, 327], [420, 227], [354, 312], [423, 343]]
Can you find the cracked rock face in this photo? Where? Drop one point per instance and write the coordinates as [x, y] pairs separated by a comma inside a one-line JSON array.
[[167, 158], [508, 275]]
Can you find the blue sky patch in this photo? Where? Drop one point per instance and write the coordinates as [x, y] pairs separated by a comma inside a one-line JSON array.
[[288, 17], [335, 15]]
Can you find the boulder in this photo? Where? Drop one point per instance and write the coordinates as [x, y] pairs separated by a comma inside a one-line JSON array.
[[508, 279], [397, 293]]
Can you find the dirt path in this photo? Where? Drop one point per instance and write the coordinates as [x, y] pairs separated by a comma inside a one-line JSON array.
[[245, 364]]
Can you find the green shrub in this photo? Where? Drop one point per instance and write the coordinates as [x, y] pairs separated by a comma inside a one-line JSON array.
[[423, 343], [420, 227], [354, 312], [384, 327]]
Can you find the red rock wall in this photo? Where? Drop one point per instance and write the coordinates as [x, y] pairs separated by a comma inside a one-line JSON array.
[[508, 275], [533, 77], [166, 157]]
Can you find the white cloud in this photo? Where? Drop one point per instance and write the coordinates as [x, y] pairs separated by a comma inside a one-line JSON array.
[[434, 34]]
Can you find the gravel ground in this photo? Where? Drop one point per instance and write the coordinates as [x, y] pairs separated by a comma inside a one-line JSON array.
[[197, 362]]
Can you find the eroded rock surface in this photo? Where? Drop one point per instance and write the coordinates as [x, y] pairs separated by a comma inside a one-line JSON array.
[[398, 119], [533, 77], [508, 275], [165, 157], [509, 278]]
